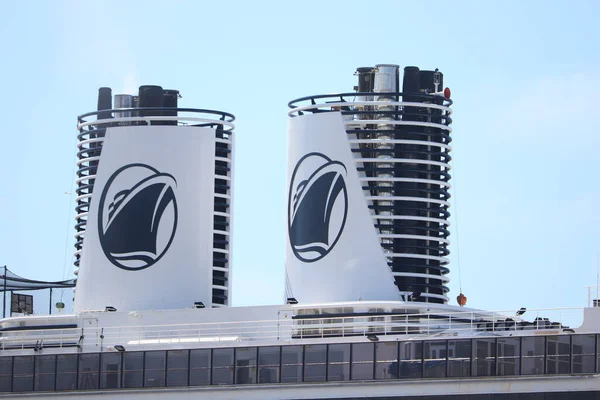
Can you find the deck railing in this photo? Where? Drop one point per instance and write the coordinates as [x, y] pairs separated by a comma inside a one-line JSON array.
[[294, 328]]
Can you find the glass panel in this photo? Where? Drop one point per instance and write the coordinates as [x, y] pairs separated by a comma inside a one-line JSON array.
[[245, 361], [532, 349], [386, 357], [411, 365], [269, 356], [133, 373], [459, 354], [434, 353], [23, 374], [89, 365], [268, 361], [362, 371], [315, 354], [200, 363], [484, 357], [314, 373], [339, 353], [44, 372], [338, 362], [177, 367], [222, 376], [66, 372], [291, 373], [508, 356], [584, 364], [291, 358], [533, 346], [558, 345], [558, 365], [362, 361], [5, 374], [110, 371], [315, 357], [363, 352], [291, 355], [222, 358], [222, 372], [154, 374], [584, 344], [532, 365]]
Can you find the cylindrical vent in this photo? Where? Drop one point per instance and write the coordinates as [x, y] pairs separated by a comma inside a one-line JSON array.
[[412, 80], [170, 98], [366, 77], [386, 79], [123, 101], [150, 96], [431, 81], [104, 102]]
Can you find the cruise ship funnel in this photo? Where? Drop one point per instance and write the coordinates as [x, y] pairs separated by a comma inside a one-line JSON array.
[[153, 204]]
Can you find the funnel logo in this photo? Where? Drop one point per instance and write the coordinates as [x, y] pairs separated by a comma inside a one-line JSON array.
[[317, 206], [137, 216]]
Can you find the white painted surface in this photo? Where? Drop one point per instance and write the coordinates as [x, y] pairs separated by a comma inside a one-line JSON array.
[[355, 268], [184, 274]]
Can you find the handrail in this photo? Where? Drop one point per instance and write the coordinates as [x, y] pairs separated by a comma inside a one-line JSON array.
[[419, 324]]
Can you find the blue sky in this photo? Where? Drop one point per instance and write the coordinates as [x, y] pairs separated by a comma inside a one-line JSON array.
[[524, 78]]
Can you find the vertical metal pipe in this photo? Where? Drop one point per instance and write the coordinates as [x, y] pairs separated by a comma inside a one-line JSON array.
[[50, 304], [4, 295], [123, 101], [386, 81], [104, 102]]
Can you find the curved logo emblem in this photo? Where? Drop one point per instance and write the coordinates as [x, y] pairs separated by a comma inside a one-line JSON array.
[[317, 206], [137, 216]]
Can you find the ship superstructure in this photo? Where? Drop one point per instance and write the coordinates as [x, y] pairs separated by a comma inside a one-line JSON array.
[[366, 313]]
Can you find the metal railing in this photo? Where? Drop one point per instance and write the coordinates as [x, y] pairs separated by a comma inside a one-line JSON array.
[[315, 326]]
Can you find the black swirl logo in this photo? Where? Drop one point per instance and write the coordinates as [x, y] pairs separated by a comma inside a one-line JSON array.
[[137, 216], [317, 206]]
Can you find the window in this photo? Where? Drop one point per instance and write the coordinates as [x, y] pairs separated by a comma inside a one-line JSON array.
[[177, 367], [245, 364], [509, 352], [200, 364], [558, 350], [315, 358], [484, 357], [66, 372], [23, 374], [268, 364], [133, 369], [532, 362], [110, 371], [459, 358], [89, 376], [584, 350], [411, 363], [363, 355], [5, 374], [154, 368], [45, 372], [435, 358], [386, 360], [338, 366], [291, 364], [222, 372]]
